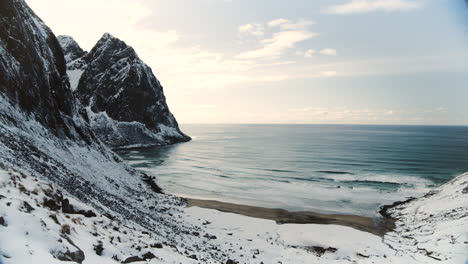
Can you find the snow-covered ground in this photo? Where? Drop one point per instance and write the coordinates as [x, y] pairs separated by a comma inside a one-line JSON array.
[[434, 226], [33, 229]]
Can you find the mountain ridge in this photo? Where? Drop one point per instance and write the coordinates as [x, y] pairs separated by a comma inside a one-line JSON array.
[[124, 101]]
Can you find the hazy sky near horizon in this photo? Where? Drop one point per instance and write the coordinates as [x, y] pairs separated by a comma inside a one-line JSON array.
[[296, 61]]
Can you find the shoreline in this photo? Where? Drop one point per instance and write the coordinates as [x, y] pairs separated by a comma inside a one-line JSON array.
[[377, 226]]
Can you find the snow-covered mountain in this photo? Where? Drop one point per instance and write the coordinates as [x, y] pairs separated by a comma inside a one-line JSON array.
[[125, 102]]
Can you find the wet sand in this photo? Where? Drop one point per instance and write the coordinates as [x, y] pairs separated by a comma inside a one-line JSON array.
[[377, 226]]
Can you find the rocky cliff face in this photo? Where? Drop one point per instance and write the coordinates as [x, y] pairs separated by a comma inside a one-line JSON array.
[[124, 100], [32, 67]]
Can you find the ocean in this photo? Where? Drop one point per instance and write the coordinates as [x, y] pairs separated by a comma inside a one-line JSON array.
[[349, 169]]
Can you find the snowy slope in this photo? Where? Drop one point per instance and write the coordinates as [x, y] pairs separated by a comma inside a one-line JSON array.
[[435, 226], [34, 229]]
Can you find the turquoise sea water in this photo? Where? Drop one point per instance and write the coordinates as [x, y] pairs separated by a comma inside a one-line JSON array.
[[338, 168]]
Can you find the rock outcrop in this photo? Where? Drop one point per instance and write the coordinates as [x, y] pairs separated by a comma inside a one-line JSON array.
[[125, 102]]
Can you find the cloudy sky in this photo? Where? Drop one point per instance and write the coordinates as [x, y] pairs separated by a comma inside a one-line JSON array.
[[290, 61]]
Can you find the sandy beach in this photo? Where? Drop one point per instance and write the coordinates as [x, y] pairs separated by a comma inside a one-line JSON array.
[[377, 226]]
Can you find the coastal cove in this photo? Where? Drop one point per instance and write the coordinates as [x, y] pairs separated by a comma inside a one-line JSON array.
[[344, 169], [95, 168]]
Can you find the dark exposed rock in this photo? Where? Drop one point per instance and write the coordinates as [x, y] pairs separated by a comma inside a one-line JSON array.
[[150, 180], [99, 248], [27, 207], [3, 222], [67, 208], [465, 190], [54, 217], [230, 261], [146, 256], [362, 255], [117, 82], [65, 229], [157, 245], [33, 74], [384, 210], [193, 256], [74, 254], [210, 237], [51, 204], [320, 251]]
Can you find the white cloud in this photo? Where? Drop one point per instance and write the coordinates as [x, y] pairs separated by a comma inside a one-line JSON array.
[[328, 52], [309, 53], [366, 6], [275, 46], [278, 22], [256, 30], [286, 24], [300, 25], [289, 35]]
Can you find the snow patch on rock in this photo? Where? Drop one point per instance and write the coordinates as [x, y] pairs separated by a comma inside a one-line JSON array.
[[74, 76]]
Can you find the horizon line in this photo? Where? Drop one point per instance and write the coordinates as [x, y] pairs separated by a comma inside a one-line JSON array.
[[332, 124]]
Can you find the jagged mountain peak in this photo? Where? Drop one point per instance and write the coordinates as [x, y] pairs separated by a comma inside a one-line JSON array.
[[71, 48], [109, 36], [110, 47], [125, 101]]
